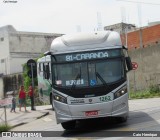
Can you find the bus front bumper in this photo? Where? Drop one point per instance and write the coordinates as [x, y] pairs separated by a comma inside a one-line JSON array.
[[115, 108]]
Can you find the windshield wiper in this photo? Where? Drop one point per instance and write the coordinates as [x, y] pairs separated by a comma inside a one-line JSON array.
[[75, 80], [102, 80]]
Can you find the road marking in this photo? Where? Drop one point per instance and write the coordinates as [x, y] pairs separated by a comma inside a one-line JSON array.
[[126, 129]]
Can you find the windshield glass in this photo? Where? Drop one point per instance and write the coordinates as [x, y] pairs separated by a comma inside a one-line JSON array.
[[81, 74]]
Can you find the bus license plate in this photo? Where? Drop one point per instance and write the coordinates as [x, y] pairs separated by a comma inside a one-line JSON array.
[[91, 113]]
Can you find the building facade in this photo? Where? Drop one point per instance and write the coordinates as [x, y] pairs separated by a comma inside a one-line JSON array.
[[16, 47], [134, 38], [121, 28], [144, 37]]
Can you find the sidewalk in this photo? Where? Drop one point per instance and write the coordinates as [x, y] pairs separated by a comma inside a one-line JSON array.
[[22, 117]]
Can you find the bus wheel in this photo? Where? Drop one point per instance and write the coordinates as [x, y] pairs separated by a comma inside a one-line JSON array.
[[121, 119], [51, 101], [69, 125]]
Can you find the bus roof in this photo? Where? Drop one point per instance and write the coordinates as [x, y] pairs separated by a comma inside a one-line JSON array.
[[44, 59], [86, 41]]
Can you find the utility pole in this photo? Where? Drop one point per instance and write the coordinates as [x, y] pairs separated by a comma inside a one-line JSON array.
[[99, 22], [139, 16]]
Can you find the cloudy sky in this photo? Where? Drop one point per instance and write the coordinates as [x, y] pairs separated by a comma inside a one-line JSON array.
[[70, 16]]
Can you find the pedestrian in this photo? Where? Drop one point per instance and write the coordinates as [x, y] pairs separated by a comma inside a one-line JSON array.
[[13, 108], [31, 95], [22, 98]]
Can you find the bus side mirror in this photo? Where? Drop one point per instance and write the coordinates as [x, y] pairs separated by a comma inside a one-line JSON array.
[[129, 63]]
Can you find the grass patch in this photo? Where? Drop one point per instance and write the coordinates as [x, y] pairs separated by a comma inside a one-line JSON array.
[[152, 92], [4, 128]]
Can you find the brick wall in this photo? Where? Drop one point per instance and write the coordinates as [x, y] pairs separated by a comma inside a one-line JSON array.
[[150, 36]]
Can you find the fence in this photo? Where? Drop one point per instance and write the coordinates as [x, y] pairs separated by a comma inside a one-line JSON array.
[[12, 82]]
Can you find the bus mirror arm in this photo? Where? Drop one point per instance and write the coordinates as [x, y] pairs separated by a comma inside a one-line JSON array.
[[47, 53], [125, 48], [128, 60], [128, 63]]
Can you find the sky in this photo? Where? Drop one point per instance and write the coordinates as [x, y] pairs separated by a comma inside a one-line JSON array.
[[71, 16]]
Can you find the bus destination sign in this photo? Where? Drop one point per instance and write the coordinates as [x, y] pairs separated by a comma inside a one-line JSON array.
[[88, 55], [84, 56]]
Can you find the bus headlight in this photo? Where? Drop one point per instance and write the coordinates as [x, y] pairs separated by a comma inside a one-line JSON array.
[[120, 92], [59, 98]]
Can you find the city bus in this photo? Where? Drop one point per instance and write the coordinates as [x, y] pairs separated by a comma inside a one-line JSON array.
[[44, 85], [86, 77]]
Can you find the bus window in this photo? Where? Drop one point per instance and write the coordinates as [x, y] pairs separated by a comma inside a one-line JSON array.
[[46, 70]]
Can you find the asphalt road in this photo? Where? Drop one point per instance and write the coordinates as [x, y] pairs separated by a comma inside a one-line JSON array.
[[144, 115]]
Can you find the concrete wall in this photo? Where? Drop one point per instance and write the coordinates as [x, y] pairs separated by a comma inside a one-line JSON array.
[[4, 52], [16, 64], [12, 82], [26, 45], [31, 43], [148, 72], [1, 88], [120, 27], [18, 47]]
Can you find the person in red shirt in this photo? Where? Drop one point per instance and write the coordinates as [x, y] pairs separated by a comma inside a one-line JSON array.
[[30, 94], [22, 98]]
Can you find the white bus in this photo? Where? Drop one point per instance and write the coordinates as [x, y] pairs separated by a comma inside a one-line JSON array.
[[44, 85], [88, 77]]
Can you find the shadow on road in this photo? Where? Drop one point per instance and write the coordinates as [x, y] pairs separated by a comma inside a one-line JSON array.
[[107, 126]]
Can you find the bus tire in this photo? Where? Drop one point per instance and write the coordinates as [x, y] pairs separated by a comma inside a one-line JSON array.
[[121, 119], [69, 125], [51, 101]]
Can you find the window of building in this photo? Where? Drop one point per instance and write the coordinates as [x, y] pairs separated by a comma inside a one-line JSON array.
[[2, 38], [2, 60]]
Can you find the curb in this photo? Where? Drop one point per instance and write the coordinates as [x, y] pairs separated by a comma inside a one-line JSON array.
[[46, 113], [16, 125]]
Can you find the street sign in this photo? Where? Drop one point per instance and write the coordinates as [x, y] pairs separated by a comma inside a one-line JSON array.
[[134, 65], [34, 73], [31, 62], [5, 102], [32, 65]]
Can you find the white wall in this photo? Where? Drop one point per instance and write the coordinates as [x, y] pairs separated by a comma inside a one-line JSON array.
[[16, 64], [18, 47], [25, 46], [32, 43], [1, 88], [4, 53]]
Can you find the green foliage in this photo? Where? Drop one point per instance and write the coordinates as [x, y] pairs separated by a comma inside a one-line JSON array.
[[154, 89], [152, 92], [27, 82], [4, 128]]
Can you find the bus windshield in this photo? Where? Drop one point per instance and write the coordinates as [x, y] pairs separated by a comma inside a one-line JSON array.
[[88, 73]]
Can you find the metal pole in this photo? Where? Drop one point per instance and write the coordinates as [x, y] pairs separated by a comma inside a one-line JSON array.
[[128, 82], [128, 87], [134, 81], [32, 83], [140, 38], [5, 115], [32, 75], [126, 36]]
